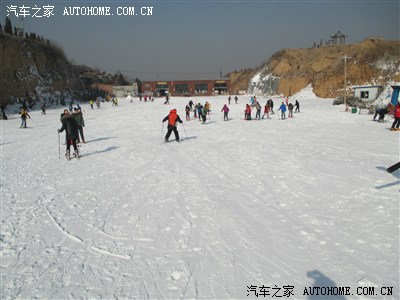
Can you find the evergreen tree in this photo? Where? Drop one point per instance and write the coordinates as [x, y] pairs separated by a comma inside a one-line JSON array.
[[8, 26]]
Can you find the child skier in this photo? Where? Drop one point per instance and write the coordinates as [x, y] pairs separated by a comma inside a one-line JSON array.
[[282, 108], [225, 109], [247, 112], [172, 118], [266, 110], [24, 114], [187, 110]]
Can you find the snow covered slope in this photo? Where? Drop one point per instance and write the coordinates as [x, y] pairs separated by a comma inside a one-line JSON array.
[[235, 207]]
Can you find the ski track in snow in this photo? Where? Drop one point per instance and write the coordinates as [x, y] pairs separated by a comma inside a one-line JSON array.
[[299, 202]]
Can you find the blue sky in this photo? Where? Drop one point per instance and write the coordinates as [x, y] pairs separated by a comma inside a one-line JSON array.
[[198, 39]]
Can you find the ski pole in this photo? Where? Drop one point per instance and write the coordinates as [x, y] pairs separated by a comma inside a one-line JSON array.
[[162, 128], [184, 129], [33, 121], [59, 147]]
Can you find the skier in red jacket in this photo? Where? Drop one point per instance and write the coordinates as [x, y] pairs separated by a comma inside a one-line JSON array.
[[172, 118], [396, 122]]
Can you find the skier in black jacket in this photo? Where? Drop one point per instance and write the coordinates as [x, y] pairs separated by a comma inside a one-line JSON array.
[[70, 125]]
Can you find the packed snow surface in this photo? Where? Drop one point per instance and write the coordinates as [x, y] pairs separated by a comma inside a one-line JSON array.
[[234, 209]]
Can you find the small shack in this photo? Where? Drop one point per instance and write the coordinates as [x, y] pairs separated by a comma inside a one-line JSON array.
[[367, 92], [395, 94]]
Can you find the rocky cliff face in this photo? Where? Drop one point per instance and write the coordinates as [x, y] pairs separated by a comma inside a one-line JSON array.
[[31, 67], [374, 61]]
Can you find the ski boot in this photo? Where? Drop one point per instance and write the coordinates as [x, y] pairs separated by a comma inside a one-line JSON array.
[[76, 154], [67, 155]]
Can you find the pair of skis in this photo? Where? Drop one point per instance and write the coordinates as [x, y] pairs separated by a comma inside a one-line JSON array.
[[75, 154]]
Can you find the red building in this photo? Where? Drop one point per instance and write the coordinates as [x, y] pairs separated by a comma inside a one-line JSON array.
[[187, 87]]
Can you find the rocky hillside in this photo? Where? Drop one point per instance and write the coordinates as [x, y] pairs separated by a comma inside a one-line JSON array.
[[38, 71], [31, 66], [374, 61]]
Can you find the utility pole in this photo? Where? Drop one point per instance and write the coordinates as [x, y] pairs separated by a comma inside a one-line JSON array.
[[345, 79], [270, 80]]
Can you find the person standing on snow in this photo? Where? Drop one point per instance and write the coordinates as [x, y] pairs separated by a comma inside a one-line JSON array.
[[290, 108], [172, 118], [266, 110], [282, 108], [258, 110], [195, 111], [204, 112], [272, 106], [81, 123], [225, 109], [187, 110], [208, 107], [70, 126], [247, 112], [297, 105], [199, 111], [43, 109], [24, 114], [236, 99], [396, 122]]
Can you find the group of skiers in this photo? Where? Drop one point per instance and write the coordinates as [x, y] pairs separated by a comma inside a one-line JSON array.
[[91, 102], [389, 109], [199, 111], [269, 107]]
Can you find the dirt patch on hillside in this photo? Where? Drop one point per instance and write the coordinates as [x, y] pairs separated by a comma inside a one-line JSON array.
[[374, 61]]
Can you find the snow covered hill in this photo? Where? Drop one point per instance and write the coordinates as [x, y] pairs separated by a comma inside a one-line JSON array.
[[237, 208]]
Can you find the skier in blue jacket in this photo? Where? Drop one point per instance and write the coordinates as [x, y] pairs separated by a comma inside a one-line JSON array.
[[282, 108]]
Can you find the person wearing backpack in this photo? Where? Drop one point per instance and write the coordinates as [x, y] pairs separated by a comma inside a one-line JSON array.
[[70, 125]]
